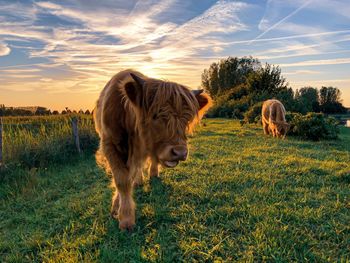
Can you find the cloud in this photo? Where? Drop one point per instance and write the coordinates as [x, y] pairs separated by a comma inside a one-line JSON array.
[[20, 31], [18, 12], [18, 70], [298, 36], [107, 41], [325, 81], [302, 72], [264, 23], [4, 50], [48, 5], [293, 48], [320, 62], [25, 65]]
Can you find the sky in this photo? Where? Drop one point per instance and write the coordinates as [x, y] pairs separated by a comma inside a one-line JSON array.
[[61, 53]]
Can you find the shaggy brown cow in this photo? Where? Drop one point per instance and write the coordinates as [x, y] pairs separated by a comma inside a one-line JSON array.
[[273, 118], [139, 119]]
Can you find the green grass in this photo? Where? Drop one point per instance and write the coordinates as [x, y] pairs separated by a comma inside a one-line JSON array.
[[240, 197]]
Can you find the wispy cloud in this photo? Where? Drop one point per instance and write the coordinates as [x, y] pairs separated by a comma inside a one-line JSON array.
[[302, 72], [19, 70], [297, 36], [264, 21], [4, 49], [101, 42], [320, 62], [325, 81]]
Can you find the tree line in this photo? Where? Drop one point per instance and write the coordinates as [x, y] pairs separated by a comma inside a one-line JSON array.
[[35, 111], [237, 84]]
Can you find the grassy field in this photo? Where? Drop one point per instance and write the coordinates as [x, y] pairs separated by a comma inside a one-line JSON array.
[[240, 197], [38, 141]]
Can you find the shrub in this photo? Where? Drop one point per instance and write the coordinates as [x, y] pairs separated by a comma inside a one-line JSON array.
[[313, 126], [253, 114], [229, 109]]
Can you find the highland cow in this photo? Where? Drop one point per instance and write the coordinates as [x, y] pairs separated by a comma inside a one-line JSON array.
[[273, 118], [138, 119]]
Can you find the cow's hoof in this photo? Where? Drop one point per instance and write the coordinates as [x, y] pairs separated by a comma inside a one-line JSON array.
[[152, 175], [127, 224]]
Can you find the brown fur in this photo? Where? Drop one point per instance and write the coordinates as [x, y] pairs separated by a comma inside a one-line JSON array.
[[273, 118], [140, 118]]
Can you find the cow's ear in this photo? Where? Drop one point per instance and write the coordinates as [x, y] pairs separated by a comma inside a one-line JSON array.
[[134, 89], [140, 81], [204, 101]]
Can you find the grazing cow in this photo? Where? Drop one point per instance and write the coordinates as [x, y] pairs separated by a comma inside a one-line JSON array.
[[138, 119], [273, 118]]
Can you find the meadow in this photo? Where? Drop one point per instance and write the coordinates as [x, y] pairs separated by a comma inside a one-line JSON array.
[[38, 141], [241, 196]]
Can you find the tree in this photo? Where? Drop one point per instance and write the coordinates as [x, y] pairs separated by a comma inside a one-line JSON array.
[[286, 96], [228, 73], [243, 82], [266, 80], [307, 99], [42, 111], [330, 101], [210, 79], [329, 95], [2, 110], [67, 111], [239, 83]]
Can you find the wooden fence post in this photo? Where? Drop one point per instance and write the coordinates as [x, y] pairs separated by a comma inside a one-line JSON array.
[[1, 161], [76, 133]]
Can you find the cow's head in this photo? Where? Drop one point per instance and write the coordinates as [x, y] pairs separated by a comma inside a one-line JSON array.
[[167, 113], [281, 128]]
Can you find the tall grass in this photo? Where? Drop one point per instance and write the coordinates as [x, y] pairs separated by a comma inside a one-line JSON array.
[[41, 140]]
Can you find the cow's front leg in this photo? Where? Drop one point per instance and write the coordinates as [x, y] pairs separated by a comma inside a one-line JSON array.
[[126, 212], [123, 206], [266, 128], [154, 169], [138, 177], [274, 134]]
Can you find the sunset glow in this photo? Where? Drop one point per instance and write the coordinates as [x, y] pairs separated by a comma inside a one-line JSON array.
[[61, 53]]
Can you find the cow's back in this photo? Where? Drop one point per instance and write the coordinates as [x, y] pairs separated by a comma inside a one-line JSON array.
[[273, 110]]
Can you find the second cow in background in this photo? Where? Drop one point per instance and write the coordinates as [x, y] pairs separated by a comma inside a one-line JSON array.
[[273, 118]]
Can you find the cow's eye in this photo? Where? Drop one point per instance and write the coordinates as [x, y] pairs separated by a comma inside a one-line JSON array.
[[155, 116]]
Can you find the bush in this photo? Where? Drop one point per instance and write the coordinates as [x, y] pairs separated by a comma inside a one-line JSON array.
[[253, 114], [229, 109], [313, 126]]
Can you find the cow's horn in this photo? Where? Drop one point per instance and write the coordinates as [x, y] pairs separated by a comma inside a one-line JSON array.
[[197, 92]]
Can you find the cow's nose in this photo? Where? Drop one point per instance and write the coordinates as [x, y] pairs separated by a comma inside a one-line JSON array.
[[179, 152]]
